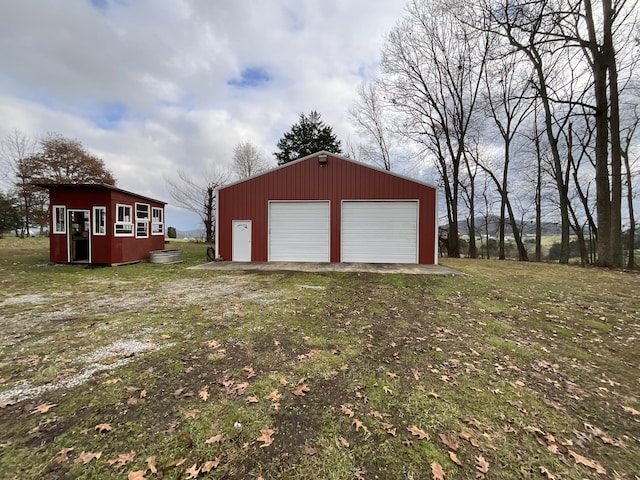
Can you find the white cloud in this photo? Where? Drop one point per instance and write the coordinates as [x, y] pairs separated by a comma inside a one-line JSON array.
[[145, 83]]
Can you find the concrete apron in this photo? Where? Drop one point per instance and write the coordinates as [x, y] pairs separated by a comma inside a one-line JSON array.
[[411, 269]]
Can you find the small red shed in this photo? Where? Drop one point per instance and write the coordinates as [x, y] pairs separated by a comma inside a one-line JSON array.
[[328, 208], [102, 224]]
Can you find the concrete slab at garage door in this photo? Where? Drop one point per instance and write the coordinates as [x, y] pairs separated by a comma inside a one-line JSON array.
[[380, 232], [299, 231]]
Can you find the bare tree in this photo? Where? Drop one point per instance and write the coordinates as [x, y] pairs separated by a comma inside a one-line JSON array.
[[370, 116], [248, 160], [509, 102], [199, 196], [432, 70], [631, 126], [601, 31], [17, 151]]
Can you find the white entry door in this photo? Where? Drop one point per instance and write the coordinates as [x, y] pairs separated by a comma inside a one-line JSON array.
[[241, 241]]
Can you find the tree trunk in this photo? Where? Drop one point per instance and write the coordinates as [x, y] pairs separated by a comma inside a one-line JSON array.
[[632, 219], [523, 256], [208, 223], [614, 124]]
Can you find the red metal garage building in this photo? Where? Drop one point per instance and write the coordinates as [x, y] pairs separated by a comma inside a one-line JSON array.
[[102, 224], [327, 208]]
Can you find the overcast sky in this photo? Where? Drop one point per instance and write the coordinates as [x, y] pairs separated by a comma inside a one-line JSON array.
[[151, 86]]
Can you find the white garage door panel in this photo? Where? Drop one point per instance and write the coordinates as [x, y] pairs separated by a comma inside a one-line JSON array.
[[380, 232], [299, 232]]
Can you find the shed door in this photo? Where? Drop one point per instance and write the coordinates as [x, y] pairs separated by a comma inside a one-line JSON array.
[[380, 232], [299, 231], [241, 241]]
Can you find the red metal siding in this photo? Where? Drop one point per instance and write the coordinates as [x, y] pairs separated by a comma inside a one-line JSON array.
[[105, 249], [335, 181]]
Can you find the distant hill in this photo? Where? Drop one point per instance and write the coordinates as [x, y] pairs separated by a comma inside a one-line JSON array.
[[493, 224], [196, 233]]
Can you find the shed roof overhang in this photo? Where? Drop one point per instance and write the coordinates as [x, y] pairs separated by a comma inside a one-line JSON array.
[[93, 186]]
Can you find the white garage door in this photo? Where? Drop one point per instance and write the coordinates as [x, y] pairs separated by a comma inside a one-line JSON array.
[[299, 231], [380, 232]]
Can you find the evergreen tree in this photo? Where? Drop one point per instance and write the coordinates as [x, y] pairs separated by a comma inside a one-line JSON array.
[[309, 135], [9, 214]]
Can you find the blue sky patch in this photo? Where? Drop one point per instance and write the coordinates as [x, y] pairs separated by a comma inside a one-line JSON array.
[[110, 115], [100, 4], [250, 77]]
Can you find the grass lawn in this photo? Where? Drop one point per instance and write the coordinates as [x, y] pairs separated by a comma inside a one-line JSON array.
[[155, 371]]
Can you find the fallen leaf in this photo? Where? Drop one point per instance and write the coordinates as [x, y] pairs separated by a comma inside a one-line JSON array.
[[214, 439], [389, 428], [62, 455], [310, 451], [122, 459], [360, 425], [630, 410], [421, 434], [449, 441], [175, 463], [438, 472], [143, 393], [191, 414], [213, 344], [241, 388], [416, 373], [44, 408], [454, 458], [193, 471], [252, 399], [433, 394], [587, 462], [151, 464], [103, 427], [86, 457], [204, 394], [111, 381], [482, 465], [547, 473], [377, 414], [136, 475], [469, 438], [346, 409], [210, 465], [387, 390], [266, 437], [274, 396], [283, 381], [250, 372], [359, 474], [342, 442], [301, 390]]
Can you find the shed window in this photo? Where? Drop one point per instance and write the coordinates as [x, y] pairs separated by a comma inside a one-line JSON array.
[[59, 215], [157, 221], [123, 226], [142, 220], [99, 220]]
